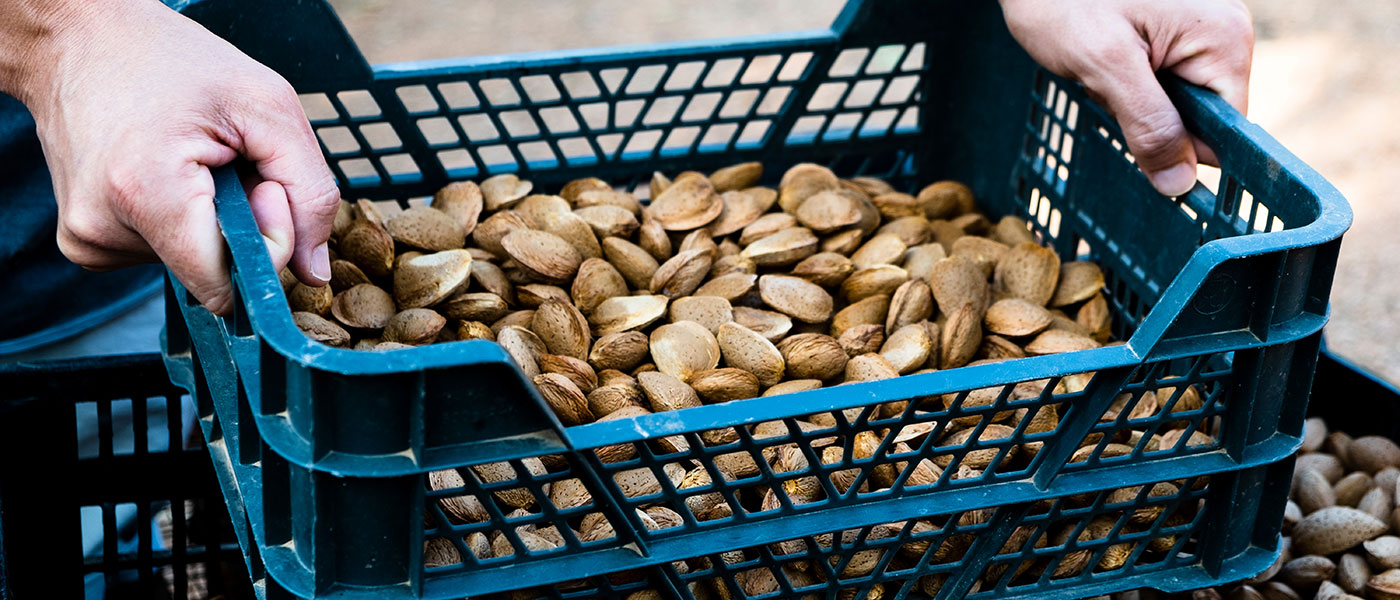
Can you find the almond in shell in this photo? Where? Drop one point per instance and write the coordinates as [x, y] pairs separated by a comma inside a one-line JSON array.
[[606, 197], [736, 177], [946, 199], [621, 351], [907, 349], [304, 298], [913, 231], [912, 303], [524, 347], [1054, 341], [957, 282], [414, 326], [689, 203], [565, 398], [653, 238], [801, 182], [636, 265], [782, 248], [709, 311], [1028, 271], [862, 339], [813, 356], [605, 400], [474, 306], [427, 228], [544, 256], [606, 220], [577, 371], [572, 229], [597, 280], [426, 279], [869, 367], [883, 249], [1079, 281], [827, 269], [532, 295], [731, 287], [475, 330], [745, 349], [961, 336], [682, 274], [625, 313], [732, 263], [724, 385], [828, 211], [893, 205], [870, 311], [575, 189], [772, 325], [504, 191], [796, 297], [920, 260], [321, 330], [792, 386], [683, 349], [563, 329], [491, 278], [983, 252], [1094, 317], [1015, 317], [1334, 529], [765, 226], [1012, 230], [665, 392], [741, 209], [490, 232], [344, 275], [873, 281]]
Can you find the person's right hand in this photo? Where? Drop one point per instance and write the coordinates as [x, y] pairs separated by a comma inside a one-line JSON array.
[[134, 104]]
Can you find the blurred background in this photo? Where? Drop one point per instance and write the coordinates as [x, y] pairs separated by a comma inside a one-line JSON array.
[[1326, 83]]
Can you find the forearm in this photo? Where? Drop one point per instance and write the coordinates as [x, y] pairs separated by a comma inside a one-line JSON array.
[[29, 34], [39, 39]]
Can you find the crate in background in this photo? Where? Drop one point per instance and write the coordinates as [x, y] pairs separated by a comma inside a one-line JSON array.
[[96, 458]]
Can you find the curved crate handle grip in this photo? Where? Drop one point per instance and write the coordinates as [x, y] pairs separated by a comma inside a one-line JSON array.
[[1315, 211], [303, 40]]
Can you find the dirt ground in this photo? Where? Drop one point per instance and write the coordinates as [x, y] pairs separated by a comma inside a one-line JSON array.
[[1326, 83]]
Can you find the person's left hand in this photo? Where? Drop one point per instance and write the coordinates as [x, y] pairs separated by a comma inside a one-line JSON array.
[[1115, 48]]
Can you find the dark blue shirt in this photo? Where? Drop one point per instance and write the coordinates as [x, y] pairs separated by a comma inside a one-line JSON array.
[[43, 297]]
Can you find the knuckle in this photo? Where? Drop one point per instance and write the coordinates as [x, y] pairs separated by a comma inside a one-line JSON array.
[[1102, 54], [81, 229], [79, 250], [1156, 133], [1238, 24]]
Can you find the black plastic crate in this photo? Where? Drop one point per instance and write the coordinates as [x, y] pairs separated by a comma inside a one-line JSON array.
[[139, 465], [328, 450]]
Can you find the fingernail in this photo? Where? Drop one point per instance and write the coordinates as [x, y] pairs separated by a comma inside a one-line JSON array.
[[1174, 181], [321, 263]]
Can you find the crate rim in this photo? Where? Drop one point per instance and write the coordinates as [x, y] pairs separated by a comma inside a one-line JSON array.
[[275, 326]]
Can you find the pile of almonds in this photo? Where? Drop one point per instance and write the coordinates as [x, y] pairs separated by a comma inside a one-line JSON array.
[[723, 289], [1341, 527]]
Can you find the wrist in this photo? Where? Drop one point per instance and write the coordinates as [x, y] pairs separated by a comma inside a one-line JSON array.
[[37, 39]]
